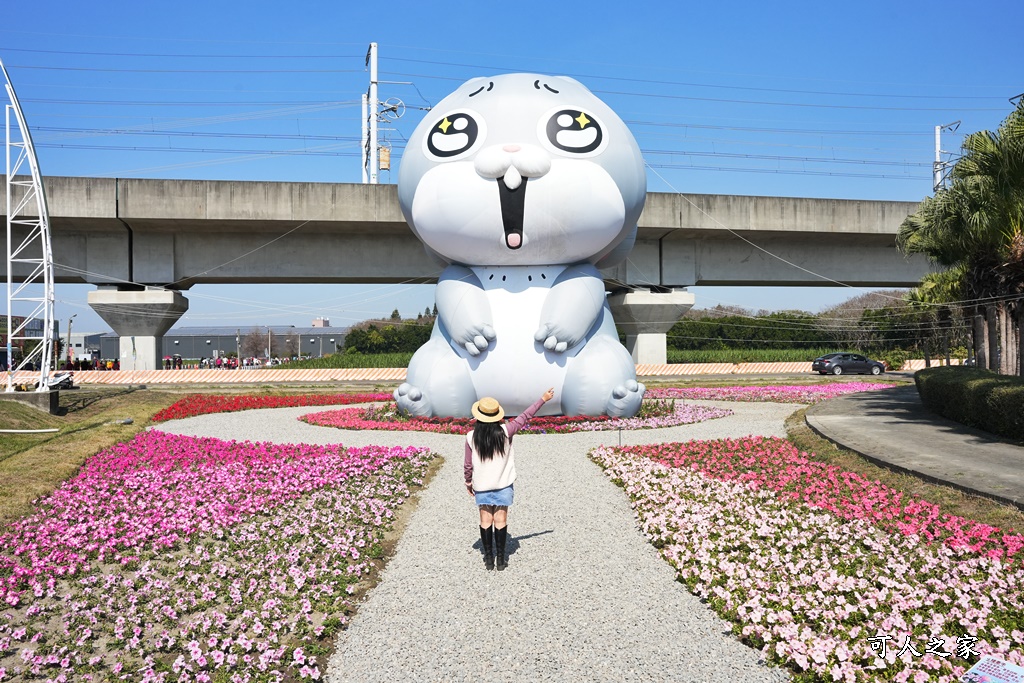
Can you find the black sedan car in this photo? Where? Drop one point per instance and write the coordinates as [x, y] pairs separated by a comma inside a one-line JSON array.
[[839, 363]]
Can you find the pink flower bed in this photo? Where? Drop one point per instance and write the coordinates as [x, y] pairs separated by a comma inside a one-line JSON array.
[[783, 393], [810, 587], [172, 557], [389, 419], [776, 464]]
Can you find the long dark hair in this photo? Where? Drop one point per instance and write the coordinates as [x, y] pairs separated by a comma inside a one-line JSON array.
[[488, 439]]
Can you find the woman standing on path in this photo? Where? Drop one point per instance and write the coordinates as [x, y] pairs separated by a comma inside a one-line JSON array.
[[490, 471]]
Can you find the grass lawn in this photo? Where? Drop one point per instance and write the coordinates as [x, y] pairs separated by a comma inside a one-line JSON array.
[[32, 465]]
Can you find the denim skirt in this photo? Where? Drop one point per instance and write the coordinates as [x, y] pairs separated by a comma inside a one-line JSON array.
[[496, 497]]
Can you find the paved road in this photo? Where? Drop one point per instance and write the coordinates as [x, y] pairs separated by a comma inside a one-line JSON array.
[[893, 428]]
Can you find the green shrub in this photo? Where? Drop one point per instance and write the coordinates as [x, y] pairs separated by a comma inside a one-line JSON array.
[[975, 397], [894, 358]]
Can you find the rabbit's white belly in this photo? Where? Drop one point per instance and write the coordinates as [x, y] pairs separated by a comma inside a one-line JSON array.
[[516, 366]]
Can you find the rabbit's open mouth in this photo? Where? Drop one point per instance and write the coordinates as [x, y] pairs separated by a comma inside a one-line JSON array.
[[513, 203]]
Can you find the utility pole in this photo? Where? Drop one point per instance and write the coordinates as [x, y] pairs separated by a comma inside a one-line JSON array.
[[71, 350], [371, 61], [939, 166], [365, 137], [375, 157]]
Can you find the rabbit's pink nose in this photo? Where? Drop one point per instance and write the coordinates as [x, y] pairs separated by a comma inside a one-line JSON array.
[[511, 148]]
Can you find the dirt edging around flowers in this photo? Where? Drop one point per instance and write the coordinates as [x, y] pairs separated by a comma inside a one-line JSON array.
[[950, 498], [389, 544]]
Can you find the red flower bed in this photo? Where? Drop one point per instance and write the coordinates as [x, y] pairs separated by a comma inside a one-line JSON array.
[[202, 404]]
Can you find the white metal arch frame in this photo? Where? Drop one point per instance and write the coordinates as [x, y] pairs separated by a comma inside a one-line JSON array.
[[29, 252]]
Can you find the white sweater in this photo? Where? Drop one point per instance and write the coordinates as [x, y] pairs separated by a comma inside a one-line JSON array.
[[500, 470], [496, 473]]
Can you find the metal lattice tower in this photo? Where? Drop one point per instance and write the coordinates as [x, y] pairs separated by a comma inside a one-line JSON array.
[[29, 257]]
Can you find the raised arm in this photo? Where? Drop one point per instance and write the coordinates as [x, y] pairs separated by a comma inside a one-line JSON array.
[[523, 419]]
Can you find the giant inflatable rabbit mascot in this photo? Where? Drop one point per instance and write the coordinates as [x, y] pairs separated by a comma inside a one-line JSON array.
[[524, 185]]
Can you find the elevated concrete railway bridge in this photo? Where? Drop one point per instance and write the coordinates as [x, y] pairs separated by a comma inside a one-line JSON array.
[[142, 242]]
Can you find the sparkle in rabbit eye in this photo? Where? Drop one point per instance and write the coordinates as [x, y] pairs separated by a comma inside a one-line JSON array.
[[453, 135], [574, 131]]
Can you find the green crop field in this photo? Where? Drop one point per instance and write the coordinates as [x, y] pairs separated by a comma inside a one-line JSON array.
[[354, 360], [747, 355]]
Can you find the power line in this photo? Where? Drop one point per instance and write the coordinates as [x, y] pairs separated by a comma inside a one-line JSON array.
[[79, 86], [788, 145], [97, 132], [787, 131], [792, 104], [189, 55], [148, 39], [202, 103], [198, 150], [187, 71], [712, 85], [105, 132], [880, 176], [692, 98], [775, 157]]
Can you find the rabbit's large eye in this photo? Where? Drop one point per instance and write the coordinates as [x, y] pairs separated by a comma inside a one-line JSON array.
[[574, 130], [454, 135]]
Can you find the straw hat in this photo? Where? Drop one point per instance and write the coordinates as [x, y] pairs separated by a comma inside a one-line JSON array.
[[488, 410]]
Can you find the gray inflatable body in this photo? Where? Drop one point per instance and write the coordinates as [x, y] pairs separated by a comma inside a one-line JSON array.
[[523, 185]]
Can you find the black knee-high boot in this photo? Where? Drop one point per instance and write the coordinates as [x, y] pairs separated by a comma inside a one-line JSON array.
[[487, 538], [500, 536]]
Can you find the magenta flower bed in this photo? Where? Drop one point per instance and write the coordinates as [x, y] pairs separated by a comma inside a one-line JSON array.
[[202, 404], [808, 586], [191, 558], [783, 393], [388, 419]]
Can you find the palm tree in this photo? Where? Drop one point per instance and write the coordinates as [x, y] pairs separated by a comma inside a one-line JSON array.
[[936, 300], [974, 228]]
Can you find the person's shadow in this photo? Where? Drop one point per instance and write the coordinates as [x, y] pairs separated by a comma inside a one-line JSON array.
[[512, 545]]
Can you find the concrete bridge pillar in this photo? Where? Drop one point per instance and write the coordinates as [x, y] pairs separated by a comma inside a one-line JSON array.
[[646, 318], [141, 318]]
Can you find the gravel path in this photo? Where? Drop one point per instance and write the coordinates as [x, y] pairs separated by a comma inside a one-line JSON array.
[[585, 596]]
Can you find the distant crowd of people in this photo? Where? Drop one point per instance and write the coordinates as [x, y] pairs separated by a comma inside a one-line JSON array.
[[92, 365], [170, 363], [222, 363]]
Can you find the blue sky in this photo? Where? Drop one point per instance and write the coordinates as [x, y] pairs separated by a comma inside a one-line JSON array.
[[786, 99]]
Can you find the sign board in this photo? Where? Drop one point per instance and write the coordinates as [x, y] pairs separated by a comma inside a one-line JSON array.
[[993, 670]]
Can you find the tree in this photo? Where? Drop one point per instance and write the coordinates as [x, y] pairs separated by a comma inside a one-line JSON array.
[[254, 343], [388, 336], [975, 228], [291, 345], [794, 329], [395, 315], [851, 325]]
